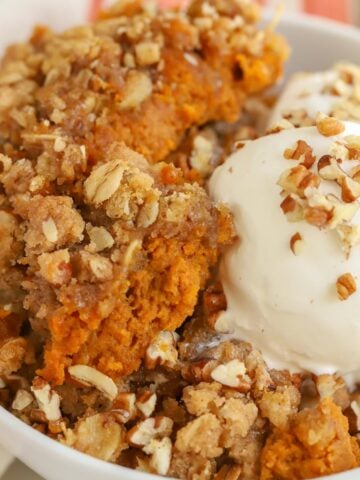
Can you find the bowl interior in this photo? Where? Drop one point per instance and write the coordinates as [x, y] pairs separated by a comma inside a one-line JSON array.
[[316, 44]]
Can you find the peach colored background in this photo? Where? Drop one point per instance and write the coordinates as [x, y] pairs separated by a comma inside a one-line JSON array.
[[347, 11]]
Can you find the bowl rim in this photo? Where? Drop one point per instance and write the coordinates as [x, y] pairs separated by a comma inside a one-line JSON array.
[[42, 442], [311, 22]]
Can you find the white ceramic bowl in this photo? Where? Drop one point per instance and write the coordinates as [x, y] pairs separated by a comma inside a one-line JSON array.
[[316, 44]]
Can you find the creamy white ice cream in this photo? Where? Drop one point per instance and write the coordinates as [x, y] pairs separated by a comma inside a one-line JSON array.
[[286, 304], [334, 92]]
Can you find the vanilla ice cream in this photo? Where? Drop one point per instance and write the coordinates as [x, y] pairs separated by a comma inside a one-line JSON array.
[[335, 92], [281, 277]]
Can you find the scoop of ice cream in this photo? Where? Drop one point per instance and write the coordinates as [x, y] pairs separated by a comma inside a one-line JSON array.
[[335, 92], [290, 279]]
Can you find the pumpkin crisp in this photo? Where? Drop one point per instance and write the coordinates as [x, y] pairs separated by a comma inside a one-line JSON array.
[[109, 241], [105, 245]]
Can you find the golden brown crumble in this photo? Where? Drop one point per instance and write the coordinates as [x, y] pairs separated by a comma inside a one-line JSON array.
[[145, 427], [201, 436], [99, 435], [316, 443]]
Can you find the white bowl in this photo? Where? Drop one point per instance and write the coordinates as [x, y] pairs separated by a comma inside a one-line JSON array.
[[316, 44]]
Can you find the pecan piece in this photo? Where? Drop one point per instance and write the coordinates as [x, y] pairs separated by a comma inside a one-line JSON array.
[[303, 152], [296, 243], [345, 286], [318, 216], [298, 179], [350, 189], [329, 126]]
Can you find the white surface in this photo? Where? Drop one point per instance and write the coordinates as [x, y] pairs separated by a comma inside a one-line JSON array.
[[317, 44], [5, 461], [54, 461], [285, 304], [17, 22], [19, 471]]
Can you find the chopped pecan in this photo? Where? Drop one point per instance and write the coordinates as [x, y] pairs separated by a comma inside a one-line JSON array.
[[303, 152], [317, 216], [160, 451], [345, 286], [329, 168], [155, 427], [352, 143], [146, 403], [199, 371], [350, 189], [329, 126], [232, 374], [298, 179], [162, 351], [355, 174], [296, 243], [355, 406], [292, 209]]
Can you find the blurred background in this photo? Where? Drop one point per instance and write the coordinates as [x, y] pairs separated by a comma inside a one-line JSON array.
[[347, 11]]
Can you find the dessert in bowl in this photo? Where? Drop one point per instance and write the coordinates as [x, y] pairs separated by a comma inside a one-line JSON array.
[[109, 134]]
